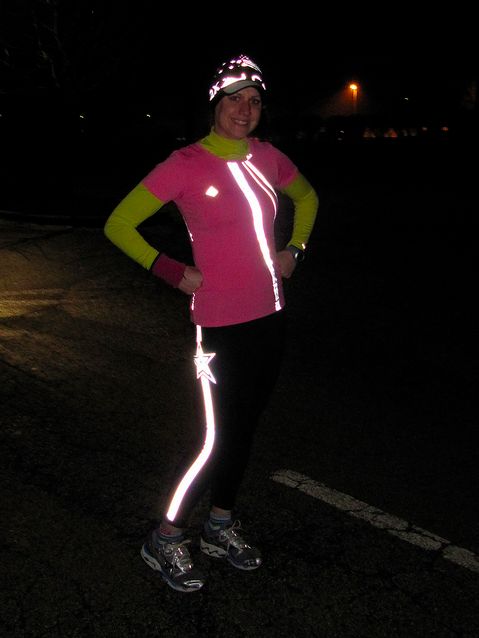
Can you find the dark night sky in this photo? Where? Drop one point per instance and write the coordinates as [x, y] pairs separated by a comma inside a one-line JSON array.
[[144, 52], [177, 66], [149, 47]]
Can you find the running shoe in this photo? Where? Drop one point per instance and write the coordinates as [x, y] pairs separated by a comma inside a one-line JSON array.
[[227, 543], [174, 562]]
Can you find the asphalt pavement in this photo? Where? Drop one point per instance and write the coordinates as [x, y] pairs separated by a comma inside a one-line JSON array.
[[376, 405]]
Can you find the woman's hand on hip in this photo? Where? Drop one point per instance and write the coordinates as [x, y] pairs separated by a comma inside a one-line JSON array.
[[192, 280], [287, 263]]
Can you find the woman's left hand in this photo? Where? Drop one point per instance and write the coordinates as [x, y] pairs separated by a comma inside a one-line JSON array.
[[287, 263]]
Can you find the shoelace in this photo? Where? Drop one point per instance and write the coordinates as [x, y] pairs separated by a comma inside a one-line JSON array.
[[233, 538], [180, 556]]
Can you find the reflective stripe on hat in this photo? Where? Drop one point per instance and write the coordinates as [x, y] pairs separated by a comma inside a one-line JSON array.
[[235, 75]]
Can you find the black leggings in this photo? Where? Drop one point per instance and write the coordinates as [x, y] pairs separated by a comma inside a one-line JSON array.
[[245, 366]]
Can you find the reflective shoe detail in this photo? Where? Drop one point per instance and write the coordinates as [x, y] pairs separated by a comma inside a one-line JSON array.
[[174, 562], [228, 543]]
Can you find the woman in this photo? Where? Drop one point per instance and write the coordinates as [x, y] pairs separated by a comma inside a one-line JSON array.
[[225, 188]]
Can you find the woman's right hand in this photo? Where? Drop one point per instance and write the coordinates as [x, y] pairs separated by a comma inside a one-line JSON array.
[[192, 280]]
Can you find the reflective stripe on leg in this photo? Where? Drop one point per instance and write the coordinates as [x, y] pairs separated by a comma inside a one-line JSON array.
[[204, 374]]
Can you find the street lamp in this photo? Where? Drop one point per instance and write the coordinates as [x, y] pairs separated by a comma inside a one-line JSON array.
[[354, 96]]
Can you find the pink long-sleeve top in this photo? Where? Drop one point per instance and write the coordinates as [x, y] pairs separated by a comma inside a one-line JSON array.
[[229, 207]]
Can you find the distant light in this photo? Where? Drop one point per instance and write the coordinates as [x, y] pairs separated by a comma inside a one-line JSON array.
[[391, 133], [148, 115], [407, 99], [82, 117], [354, 96]]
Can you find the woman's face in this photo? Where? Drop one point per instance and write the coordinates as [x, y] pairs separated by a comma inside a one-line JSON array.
[[238, 114]]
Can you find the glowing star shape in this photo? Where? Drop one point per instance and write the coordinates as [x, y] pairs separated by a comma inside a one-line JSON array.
[[202, 362]]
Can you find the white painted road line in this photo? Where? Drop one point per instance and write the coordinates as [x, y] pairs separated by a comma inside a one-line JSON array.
[[391, 524]]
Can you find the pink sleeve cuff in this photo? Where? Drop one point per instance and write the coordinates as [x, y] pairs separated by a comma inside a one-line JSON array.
[[168, 269]]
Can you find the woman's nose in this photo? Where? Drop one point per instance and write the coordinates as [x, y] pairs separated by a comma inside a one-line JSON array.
[[245, 107]]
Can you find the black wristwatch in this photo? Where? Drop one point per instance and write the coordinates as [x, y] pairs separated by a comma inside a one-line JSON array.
[[297, 253]]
